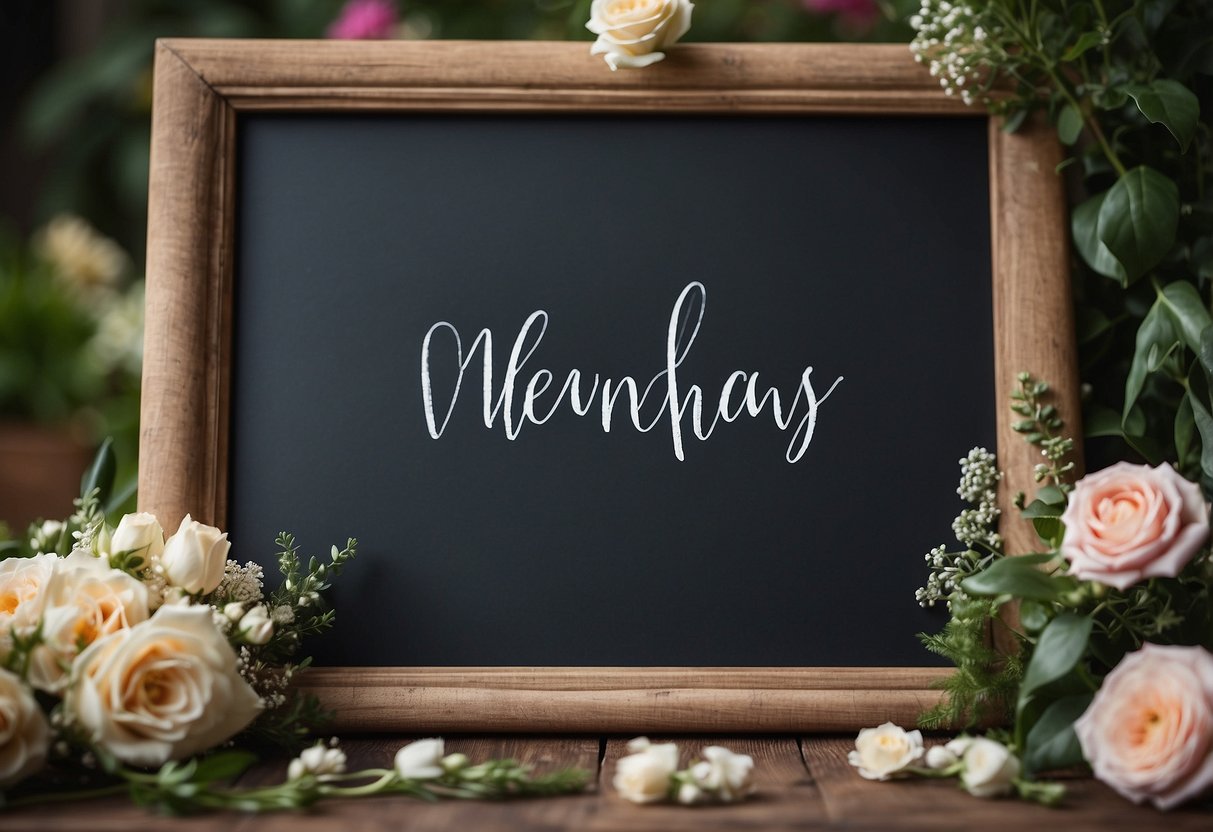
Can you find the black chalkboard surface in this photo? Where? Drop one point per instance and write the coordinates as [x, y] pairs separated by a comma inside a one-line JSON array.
[[859, 247]]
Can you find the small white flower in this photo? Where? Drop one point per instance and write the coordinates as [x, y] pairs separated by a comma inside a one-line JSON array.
[[644, 775], [689, 794], [195, 558], [939, 758], [724, 774], [139, 533], [452, 763], [420, 760], [255, 625], [320, 761], [885, 751], [990, 769], [233, 611]]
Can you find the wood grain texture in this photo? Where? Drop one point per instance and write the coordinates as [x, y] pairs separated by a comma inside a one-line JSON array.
[[200, 86], [1033, 312], [183, 418], [544, 76], [622, 699], [801, 785]]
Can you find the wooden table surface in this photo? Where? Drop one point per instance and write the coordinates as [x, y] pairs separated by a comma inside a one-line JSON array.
[[803, 783]]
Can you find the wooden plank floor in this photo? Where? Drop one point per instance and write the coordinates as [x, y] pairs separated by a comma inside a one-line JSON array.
[[803, 783]]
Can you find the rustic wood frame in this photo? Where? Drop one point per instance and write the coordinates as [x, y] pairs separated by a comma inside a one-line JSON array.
[[200, 86]]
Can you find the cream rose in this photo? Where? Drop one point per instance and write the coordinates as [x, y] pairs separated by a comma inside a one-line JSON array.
[[194, 557], [990, 769], [885, 751], [421, 760], [1149, 731], [724, 774], [632, 33], [84, 600], [161, 690], [24, 734], [644, 775], [140, 533], [22, 594], [1130, 522]]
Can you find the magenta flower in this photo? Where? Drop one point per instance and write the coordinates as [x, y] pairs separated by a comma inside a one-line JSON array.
[[364, 20], [857, 13]]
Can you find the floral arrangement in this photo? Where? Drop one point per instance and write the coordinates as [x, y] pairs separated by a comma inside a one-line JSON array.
[[71, 329], [650, 774], [131, 663]]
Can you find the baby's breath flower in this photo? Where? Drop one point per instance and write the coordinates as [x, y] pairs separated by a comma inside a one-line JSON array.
[[241, 584]]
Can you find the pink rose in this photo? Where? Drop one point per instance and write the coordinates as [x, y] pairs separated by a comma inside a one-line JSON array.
[[1149, 731], [1131, 522], [364, 20]]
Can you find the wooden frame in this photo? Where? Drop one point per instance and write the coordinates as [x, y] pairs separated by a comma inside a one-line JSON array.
[[201, 85]]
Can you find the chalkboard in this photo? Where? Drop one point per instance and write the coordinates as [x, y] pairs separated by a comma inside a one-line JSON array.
[[811, 243], [647, 389]]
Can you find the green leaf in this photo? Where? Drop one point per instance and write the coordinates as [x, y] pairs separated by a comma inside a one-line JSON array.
[[1170, 104], [1052, 743], [1052, 495], [1019, 576], [1084, 225], [1069, 124], [1185, 429], [1059, 649], [1157, 331], [1138, 220], [100, 473], [1187, 310], [1089, 40], [224, 765], [1039, 508]]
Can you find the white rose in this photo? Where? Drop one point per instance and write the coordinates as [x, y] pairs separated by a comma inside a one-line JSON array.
[[320, 761], [162, 690], [139, 533], [724, 773], [644, 775], [940, 757], [883, 752], [195, 556], [256, 626], [22, 594], [631, 33], [84, 600], [24, 734], [990, 768], [421, 760]]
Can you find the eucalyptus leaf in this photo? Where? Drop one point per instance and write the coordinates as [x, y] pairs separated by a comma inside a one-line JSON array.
[[1019, 576], [1059, 649], [1051, 743], [1170, 104], [1084, 225], [1138, 220]]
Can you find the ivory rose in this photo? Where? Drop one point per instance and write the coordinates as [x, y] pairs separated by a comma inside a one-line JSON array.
[[632, 33], [421, 760], [24, 734], [1148, 733], [22, 594], [727, 775], [885, 751], [194, 557], [161, 690], [644, 775], [140, 533], [990, 769], [1130, 522], [84, 600]]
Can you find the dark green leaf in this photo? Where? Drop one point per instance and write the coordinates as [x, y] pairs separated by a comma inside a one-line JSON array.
[[1138, 219], [224, 765], [1052, 743], [1170, 104], [1033, 616], [1052, 495], [1059, 649], [100, 473], [1069, 124], [1088, 40], [1185, 429], [1039, 508], [1048, 529], [1084, 224], [1157, 331], [1020, 577], [1183, 303]]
